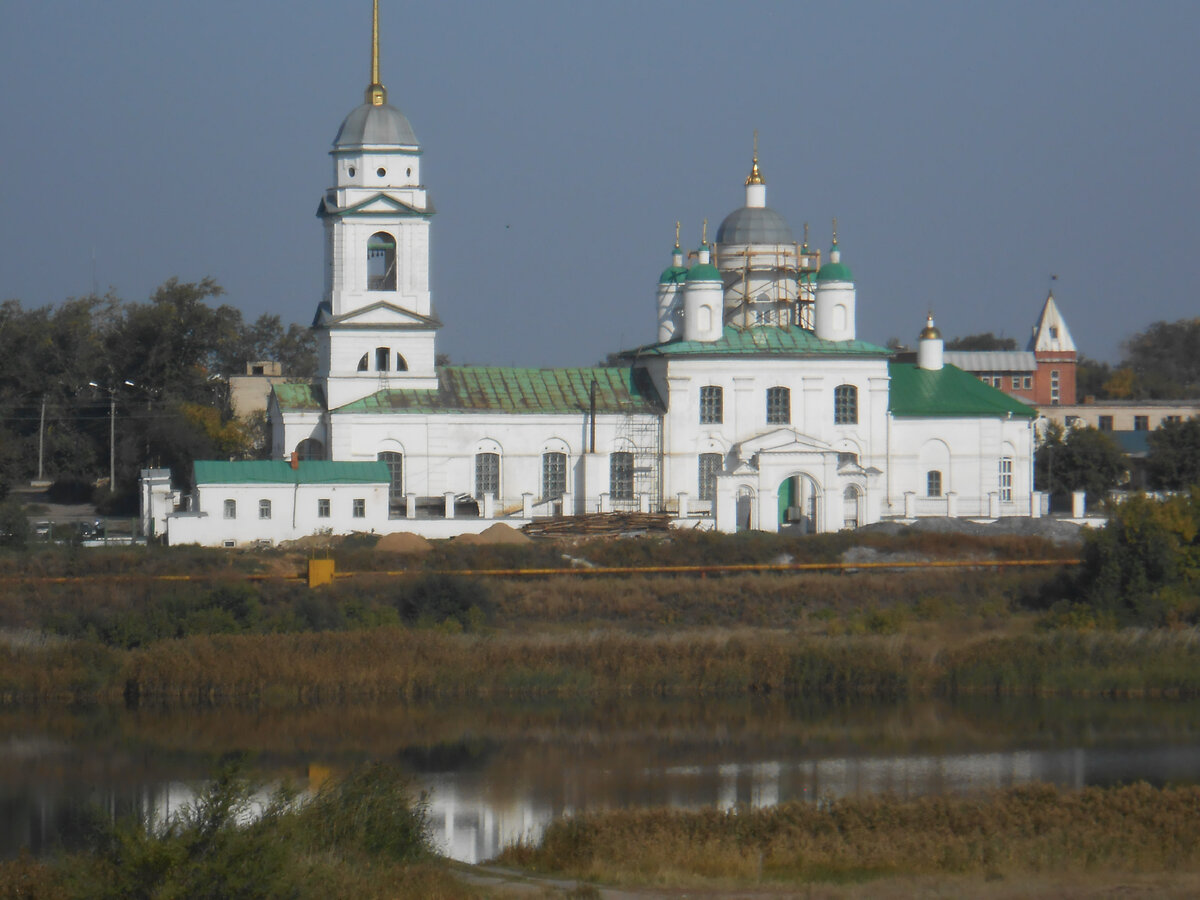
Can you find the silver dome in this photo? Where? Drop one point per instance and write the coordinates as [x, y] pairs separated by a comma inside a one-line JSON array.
[[368, 124], [754, 225]]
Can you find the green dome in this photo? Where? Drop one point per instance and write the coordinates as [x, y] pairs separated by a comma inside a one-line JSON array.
[[704, 272], [834, 271], [673, 275]]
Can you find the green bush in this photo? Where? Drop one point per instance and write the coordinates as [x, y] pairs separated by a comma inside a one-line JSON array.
[[437, 598]]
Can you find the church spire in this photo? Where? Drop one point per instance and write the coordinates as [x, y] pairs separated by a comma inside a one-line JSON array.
[[376, 92], [755, 176]]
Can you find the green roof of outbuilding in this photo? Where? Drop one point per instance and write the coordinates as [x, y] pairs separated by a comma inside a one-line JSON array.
[[766, 339], [298, 397], [494, 389], [948, 392], [271, 471]]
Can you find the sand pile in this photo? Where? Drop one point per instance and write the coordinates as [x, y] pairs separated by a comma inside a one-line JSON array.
[[495, 534], [403, 542]]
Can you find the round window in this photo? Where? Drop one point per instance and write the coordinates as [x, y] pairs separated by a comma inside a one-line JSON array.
[[408, 171], [381, 172], [350, 171]]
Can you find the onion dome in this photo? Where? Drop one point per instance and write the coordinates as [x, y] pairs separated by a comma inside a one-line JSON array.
[[703, 272], [835, 269], [370, 125], [677, 271], [930, 331]]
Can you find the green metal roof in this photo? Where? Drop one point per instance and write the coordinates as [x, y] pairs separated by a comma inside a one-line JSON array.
[[947, 392], [298, 397], [834, 271], [673, 275], [504, 390], [272, 471], [704, 272], [766, 339]]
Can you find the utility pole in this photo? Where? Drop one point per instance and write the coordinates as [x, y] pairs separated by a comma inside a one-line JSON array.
[[41, 437]]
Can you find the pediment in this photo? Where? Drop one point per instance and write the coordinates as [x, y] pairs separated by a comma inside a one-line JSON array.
[[376, 315], [782, 440], [377, 204]]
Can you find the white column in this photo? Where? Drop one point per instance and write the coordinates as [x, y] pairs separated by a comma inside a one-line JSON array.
[[910, 504], [527, 506], [449, 498], [568, 504], [1078, 504], [1035, 504], [410, 506], [644, 503], [952, 504], [489, 505], [683, 505], [994, 505], [605, 502]]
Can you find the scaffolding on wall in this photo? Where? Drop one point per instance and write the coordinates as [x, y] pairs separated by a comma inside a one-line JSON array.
[[641, 434], [778, 265]]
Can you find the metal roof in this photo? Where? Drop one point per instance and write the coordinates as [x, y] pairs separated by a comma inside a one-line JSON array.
[[530, 391], [375, 125], [299, 397], [992, 360], [947, 392], [273, 471], [754, 225], [764, 340]]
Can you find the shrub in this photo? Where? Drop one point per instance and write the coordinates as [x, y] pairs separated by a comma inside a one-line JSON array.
[[436, 598]]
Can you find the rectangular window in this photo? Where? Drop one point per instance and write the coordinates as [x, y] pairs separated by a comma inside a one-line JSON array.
[[845, 405], [360, 508], [1027, 383], [1105, 423], [711, 412], [231, 509], [1141, 423], [710, 466], [554, 475], [1006, 470], [487, 475], [620, 476], [397, 504], [997, 381], [779, 406], [264, 509], [322, 508], [933, 483], [1016, 382], [1172, 420], [1054, 387]]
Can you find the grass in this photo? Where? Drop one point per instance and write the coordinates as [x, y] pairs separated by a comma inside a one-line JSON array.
[[1000, 834]]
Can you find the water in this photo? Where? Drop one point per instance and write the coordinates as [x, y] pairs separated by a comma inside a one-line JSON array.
[[499, 772]]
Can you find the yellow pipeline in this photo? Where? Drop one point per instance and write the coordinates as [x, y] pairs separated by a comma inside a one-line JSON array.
[[596, 570]]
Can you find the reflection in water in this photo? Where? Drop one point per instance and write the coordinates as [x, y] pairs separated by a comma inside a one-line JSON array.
[[497, 773]]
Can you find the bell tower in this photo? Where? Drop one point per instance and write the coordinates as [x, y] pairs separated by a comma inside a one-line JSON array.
[[376, 327]]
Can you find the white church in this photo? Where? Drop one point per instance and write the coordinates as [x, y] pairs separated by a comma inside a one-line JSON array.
[[755, 407]]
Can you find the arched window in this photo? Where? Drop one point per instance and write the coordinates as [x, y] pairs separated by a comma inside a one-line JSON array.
[[620, 476], [711, 412], [310, 448], [710, 466], [362, 363], [779, 406], [554, 475], [850, 507], [401, 363], [383, 359], [933, 483], [845, 405], [487, 475], [381, 262], [395, 464]]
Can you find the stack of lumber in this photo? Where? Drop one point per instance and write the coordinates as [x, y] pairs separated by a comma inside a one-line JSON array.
[[599, 525]]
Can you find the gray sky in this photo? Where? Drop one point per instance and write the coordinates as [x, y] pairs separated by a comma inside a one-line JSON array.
[[969, 150]]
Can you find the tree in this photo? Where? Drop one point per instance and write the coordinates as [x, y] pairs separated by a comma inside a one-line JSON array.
[[1091, 377], [1082, 460], [1143, 567], [1166, 359], [1173, 462], [984, 341]]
